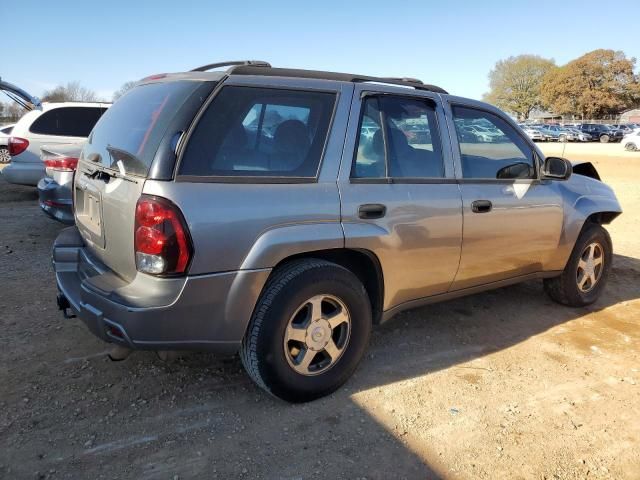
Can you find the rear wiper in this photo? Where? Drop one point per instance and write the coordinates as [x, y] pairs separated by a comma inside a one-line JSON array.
[[106, 175]]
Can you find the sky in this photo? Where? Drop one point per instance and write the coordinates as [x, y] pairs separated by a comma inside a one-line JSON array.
[[452, 44]]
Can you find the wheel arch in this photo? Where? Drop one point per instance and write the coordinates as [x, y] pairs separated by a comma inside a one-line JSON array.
[[362, 263]]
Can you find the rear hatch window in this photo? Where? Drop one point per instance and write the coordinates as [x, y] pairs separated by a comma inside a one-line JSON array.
[[127, 136]]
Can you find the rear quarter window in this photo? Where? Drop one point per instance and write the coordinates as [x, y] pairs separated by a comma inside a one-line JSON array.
[[260, 132], [67, 121]]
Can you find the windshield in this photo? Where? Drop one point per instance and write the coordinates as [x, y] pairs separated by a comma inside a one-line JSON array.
[[128, 134]]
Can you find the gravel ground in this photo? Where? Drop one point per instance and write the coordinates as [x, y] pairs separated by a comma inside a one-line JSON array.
[[504, 384]]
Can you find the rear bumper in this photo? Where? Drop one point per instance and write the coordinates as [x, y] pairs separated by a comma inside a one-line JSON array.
[[205, 312], [55, 200], [24, 173]]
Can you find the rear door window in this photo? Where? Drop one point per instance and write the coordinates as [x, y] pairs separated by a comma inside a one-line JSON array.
[[67, 121], [264, 132], [128, 134], [398, 139]]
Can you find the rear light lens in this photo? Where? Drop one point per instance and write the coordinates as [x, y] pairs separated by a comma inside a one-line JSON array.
[[161, 240], [61, 164], [17, 145]]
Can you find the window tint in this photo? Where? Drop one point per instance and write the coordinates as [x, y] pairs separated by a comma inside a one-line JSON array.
[[398, 138], [128, 134], [67, 121], [490, 147], [250, 131]]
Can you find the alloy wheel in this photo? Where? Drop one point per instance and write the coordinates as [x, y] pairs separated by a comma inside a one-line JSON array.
[[590, 267], [317, 335], [4, 155]]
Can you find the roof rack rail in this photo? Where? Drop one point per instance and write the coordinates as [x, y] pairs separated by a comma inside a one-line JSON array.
[[404, 80], [249, 69], [211, 66]]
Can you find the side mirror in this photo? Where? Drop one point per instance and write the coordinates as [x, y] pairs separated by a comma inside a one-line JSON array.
[[557, 168]]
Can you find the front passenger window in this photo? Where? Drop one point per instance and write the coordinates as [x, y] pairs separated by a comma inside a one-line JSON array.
[[490, 148]]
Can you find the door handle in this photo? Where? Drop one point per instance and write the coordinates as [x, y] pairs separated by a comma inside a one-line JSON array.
[[481, 206], [371, 211]]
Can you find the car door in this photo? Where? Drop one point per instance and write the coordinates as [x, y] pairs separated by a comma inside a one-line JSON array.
[[512, 218], [399, 196]]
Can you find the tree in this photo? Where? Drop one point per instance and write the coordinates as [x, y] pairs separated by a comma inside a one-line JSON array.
[[515, 83], [599, 83], [123, 89], [71, 92]]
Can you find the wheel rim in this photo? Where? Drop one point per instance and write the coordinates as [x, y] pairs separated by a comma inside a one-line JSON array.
[[604, 138], [590, 267], [317, 335], [4, 155], [631, 147]]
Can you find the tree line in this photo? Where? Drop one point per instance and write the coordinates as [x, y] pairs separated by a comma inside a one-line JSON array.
[[597, 84]]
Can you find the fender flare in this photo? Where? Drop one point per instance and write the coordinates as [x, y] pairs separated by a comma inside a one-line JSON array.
[[278, 243]]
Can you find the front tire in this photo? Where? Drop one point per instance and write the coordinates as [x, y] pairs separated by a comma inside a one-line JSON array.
[[604, 138], [309, 330], [630, 147], [587, 271]]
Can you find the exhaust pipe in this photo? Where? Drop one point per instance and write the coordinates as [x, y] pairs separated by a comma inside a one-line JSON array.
[[119, 353]]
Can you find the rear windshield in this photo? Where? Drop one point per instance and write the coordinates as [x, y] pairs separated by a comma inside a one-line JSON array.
[[67, 121], [128, 134]]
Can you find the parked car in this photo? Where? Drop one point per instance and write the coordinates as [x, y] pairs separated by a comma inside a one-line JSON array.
[[190, 236], [5, 133], [549, 135], [533, 133], [54, 189], [55, 123], [631, 141], [601, 133], [578, 135]]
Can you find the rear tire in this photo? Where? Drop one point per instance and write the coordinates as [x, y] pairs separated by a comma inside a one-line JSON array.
[[4, 155], [294, 347], [587, 271]]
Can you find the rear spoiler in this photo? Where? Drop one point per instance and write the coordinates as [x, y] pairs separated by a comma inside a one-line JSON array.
[[19, 96]]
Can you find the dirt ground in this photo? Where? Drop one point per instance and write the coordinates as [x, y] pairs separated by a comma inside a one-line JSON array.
[[504, 384]]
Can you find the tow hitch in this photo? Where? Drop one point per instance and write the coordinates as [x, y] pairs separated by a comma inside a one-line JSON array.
[[63, 304]]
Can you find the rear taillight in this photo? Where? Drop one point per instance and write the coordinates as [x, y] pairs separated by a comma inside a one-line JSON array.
[[17, 145], [61, 164], [161, 240]]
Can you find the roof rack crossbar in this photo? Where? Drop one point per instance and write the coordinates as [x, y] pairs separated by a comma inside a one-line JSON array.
[[211, 66]]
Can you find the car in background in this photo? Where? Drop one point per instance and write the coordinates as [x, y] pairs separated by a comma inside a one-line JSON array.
[[55, 189], [577, 135], [601, 133], [626, 128], [631, 141], [533, 133], [5, 133], [54, 123], [548, 134]]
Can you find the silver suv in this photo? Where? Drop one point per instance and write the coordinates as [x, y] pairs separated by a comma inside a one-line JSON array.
[[280, 213]]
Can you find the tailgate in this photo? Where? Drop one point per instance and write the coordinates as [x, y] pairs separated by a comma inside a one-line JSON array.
[[114, 165]]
